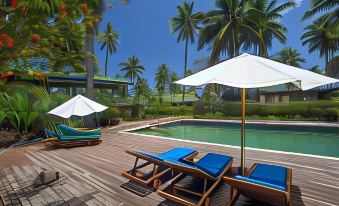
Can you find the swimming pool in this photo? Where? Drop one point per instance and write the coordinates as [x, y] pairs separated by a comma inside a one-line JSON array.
[[323, 141]]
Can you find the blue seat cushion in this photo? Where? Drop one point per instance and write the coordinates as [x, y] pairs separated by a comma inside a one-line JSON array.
[[258, 182], [177, 153], [272, 174], [213, 164], [173, 154]]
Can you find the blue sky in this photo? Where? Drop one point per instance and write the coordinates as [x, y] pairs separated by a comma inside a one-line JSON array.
[[144, 32]]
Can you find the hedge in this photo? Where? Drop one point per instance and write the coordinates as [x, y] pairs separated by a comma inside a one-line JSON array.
[[322, 109]]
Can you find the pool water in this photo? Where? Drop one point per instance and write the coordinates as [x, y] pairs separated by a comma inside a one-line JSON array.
[[313, 140]]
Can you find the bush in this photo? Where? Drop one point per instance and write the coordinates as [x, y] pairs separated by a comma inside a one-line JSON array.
[[331, 114], [106, 116]]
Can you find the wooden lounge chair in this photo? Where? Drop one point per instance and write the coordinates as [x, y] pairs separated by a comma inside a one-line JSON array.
[[69, 131], [266, 183], [207, 172], [68, 136], [156, 176], [59, 140]]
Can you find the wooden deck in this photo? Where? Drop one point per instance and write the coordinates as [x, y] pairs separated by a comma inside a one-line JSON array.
[[91, 175]]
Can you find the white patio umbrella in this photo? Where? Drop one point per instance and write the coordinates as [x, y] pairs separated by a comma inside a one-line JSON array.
[[78, 106], [249, 71]]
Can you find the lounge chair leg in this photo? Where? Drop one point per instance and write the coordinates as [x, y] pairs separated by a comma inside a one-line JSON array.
[[156, 184], [233, 197], [135, 164], [208, 201]]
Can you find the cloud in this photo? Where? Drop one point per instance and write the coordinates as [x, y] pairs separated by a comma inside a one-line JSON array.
[[298, 4]]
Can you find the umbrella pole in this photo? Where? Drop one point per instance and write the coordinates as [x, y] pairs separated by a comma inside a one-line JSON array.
[[243, 104]]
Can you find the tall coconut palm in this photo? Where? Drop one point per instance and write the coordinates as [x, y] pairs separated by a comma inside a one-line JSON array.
[[186, 24], [289, 56], [323, 37], [91, 23], [109, 39], [132, 68], [161, 79], [264, 21]]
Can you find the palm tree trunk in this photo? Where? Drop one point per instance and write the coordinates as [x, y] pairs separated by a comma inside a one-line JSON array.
[[183, 88], [106, 61], [89, 62], [326, 63]]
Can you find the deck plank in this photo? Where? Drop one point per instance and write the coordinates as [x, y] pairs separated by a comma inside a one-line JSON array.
[[92, 175]]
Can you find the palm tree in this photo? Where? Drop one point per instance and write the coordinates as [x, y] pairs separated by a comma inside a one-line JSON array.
[[316, 69], [109, 39], [142, 91], [186, 24], [132, 68], [91, 24], [174, 88], [323, 37], [247, 24], [161, 80], [263, 20], [289, 56], [224, 29]]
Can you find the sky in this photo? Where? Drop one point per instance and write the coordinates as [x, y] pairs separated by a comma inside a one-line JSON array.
[[145, 33]]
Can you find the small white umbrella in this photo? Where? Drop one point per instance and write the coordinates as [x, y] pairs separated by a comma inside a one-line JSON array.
[[249, 71], [79, 106]]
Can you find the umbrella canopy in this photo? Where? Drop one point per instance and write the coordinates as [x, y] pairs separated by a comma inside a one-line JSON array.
[[249, 71], [79, 106]]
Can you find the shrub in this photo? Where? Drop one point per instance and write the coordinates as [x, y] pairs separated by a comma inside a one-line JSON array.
[[331, 114], [106, 116], [316, 112]]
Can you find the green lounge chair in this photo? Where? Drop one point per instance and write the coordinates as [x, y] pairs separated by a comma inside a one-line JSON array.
[[69, 131], [266, 183], [160, 172], [204, 175]]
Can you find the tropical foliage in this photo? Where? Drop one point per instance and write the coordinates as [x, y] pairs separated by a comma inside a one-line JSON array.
[[24, 107], [109, 39], [132, 68], [186, 24], [45, 32]]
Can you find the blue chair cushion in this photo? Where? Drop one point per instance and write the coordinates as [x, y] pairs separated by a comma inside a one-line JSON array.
[[154, 156], [258, 182], [213, 164], [177, 153], [272, 174], [173, 154]]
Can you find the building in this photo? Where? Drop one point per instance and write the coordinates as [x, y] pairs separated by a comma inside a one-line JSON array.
[[283, 94], [71, 84]]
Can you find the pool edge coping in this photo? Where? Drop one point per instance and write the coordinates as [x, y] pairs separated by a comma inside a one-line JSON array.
[[128, 131]]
